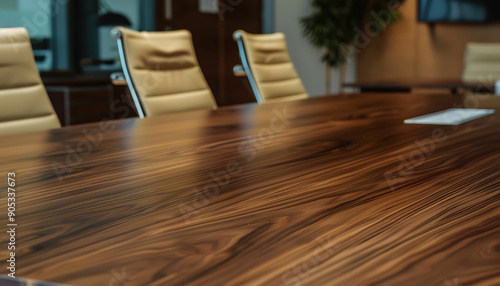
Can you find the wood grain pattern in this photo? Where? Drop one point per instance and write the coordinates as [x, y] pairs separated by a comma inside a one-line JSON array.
[[309, 205]]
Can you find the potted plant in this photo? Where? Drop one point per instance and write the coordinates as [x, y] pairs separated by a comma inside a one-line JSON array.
[[343, 27]]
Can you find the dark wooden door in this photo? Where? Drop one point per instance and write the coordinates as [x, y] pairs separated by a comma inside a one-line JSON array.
[[213, 40]]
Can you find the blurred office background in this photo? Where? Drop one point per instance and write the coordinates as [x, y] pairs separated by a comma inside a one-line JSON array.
[[75, 53]]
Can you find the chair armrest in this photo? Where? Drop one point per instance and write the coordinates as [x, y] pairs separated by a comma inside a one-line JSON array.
[[118, 78], [239, 71]]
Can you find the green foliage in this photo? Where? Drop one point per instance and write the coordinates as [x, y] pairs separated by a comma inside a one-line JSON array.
[[335, 25]]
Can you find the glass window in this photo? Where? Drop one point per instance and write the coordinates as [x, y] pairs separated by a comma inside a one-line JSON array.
[[75, 34], [36, 17]]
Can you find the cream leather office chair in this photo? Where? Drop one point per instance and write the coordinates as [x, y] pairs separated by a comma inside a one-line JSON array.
[[162, 71], [267, 64], [481, 62], [24, 103]]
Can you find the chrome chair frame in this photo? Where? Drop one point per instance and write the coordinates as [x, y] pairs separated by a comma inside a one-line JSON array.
[[238, 70], [121, 50]]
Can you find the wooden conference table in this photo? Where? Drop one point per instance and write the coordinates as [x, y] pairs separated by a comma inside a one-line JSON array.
[[323, 191]]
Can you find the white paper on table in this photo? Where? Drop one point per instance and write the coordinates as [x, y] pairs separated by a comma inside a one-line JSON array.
[[452, 116]]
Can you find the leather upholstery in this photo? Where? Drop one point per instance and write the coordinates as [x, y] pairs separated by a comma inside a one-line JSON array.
[[165, 71], [481, 62], [24, 103], [271, 66]]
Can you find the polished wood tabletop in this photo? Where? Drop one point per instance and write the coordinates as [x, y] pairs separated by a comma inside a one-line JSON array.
[[322, 191]]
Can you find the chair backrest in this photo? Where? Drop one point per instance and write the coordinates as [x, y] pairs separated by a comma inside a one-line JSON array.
[[268, 66], [24, 103], [481, 62], [162, 71]]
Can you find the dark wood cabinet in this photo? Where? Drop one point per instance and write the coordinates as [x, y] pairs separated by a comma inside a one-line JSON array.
[[86, 99]]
